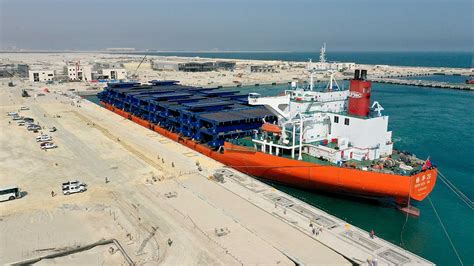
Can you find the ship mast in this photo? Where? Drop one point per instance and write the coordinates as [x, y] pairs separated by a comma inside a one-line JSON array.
[[322, 54], [311, 73]]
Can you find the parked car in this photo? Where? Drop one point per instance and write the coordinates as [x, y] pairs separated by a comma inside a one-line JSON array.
[[48, 145], [73, 183], [23, 108], [12, 113], [74, 189], [17, 117], [21, 123], [43, 138], [33, 127], [28, 119]]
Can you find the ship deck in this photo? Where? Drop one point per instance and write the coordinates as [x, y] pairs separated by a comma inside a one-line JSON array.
[[208, 115], [362, 165]]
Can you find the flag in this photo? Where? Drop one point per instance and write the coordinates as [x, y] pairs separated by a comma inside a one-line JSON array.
[[427, 164]]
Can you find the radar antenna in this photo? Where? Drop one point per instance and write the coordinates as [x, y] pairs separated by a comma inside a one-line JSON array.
[[377, 108]]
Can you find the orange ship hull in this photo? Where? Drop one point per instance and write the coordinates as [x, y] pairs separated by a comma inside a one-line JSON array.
[[304, 174]]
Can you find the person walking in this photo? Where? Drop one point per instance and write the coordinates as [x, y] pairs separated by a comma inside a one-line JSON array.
[[372, 233]]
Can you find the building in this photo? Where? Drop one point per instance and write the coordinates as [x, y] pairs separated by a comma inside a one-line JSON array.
[[10, 70], [192, 66], [112, 74], [41, 75], [339, 66], [79, 72], [7, 70], [22, 70], [225, 65], [197, 67], [165, 65], [262, 68]]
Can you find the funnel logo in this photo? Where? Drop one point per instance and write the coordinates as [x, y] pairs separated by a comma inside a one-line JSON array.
[[355, 94]]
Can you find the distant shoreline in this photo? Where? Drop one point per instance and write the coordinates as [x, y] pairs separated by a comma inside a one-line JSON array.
[[223, 52], [459, 60]]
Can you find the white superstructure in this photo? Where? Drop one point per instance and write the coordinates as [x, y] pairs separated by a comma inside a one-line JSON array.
[[317, 123]]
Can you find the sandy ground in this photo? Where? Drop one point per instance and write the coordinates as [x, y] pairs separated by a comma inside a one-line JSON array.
[[285, 71], [93, 144]]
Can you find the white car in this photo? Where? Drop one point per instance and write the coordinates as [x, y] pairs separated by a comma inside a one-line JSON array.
[[43, 138], [73, 184], [48, 145], [17, 117], [33, 127], [23, 108], [74, 189], [12, 113], [21, 123]]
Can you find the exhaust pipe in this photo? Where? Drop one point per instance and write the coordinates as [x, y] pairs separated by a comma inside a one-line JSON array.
[[357, 74]]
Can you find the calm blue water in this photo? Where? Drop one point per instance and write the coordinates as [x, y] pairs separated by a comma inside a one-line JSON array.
[[430, 59], [428, 122]]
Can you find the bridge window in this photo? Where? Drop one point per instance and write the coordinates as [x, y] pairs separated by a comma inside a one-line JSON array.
[[336, 119], [346, 121]]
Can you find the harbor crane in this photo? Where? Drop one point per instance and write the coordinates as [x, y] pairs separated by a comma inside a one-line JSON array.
[[134, 76]]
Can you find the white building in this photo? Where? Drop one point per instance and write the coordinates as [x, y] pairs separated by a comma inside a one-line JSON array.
[[340, 66], [114, 73], [79, 72], [41, 75], [165, 65]]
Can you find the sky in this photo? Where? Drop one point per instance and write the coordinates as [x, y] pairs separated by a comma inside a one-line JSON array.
[[231, 25]]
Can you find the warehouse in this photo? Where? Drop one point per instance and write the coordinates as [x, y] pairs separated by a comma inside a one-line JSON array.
[[192, 66]]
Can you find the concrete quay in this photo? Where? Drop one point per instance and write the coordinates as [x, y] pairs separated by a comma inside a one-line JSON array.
[[352, 242], [425, 83]]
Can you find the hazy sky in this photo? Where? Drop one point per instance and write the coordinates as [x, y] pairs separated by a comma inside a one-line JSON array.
[[292, 25]]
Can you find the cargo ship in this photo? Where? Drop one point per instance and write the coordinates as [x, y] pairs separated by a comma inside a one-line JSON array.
[[323, 139]]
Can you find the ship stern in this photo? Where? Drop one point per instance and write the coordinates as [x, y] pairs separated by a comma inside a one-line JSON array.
[[423, 183]]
